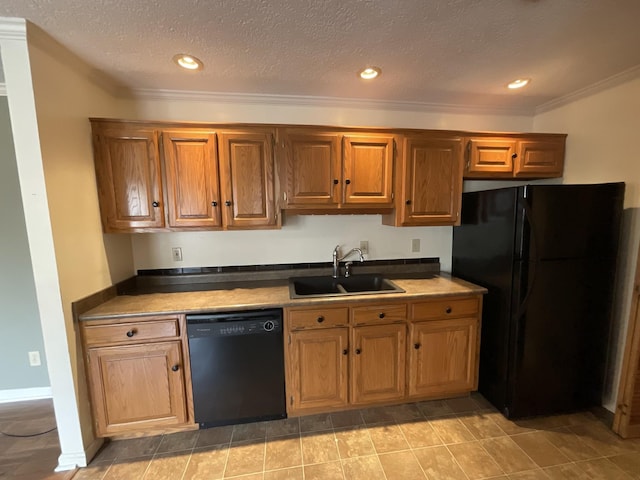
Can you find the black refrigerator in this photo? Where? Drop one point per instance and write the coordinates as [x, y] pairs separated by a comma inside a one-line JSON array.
[[547, 256]]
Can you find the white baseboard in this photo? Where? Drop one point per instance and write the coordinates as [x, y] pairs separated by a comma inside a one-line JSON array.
[[71, 461], [22, 394]]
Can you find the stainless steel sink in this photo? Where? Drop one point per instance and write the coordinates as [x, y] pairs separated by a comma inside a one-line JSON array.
[[305, 287]]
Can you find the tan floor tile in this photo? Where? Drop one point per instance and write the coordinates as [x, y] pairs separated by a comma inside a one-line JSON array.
[[245, 458], [354, 442], [319, 447], [570, 444], [128, 469], [388, 438], [462, 404], [629, 462], [601, 439], [474, 460], [175, 442], [434, 408], [510, 427], [249, 431], [537, 474], [482, 402], [544, 423], [408, 412], [540, 449], [207, 463], [135, 447], [315, 423], [377, 415], [252, 476], [167, 466], [401, 466], [363, 468], [283, 452], [451, 430], [324, 471], [438, 463], [349, 418], [508, 455], [602, 469], [481, 426], [95, 471], [278, 428], [294, 473], [214, 436], [568, 471], [420, 434]]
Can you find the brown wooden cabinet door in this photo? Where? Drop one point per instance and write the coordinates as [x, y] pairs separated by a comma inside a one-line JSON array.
[[318, 369], [432, 184], [378, 363], [313, 169], [128, 175], [247, 170], [368, 170], [135, 387], [490, 157], [539, 159], [191, 172], [443, 357]]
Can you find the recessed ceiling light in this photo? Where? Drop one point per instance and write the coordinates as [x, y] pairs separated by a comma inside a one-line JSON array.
[[370, 73], [519, 83], [187, 61]]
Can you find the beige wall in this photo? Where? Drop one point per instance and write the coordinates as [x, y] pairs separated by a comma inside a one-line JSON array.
[[602, 146]]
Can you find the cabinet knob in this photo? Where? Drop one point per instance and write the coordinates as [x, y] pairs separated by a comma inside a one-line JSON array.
[[228, 203], [448, 310], [214, 204], [345, 351], [358, 351], [175, 368], [336, 181], [320, 319], [514, 156], [347, 181], [416, 346], [131, 333], [408, 202], [155, 204], [381, 315]]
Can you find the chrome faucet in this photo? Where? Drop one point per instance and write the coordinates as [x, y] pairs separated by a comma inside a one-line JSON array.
[[337, 259]]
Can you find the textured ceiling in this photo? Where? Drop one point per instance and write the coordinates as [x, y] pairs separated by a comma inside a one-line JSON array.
[[448, 52]]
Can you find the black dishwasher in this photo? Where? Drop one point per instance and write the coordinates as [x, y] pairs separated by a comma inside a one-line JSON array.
[[237, 366]]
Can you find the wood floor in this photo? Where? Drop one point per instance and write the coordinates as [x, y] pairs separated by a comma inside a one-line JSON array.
[[454, 439]]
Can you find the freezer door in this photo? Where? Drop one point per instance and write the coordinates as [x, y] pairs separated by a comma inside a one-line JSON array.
[[561, 334]]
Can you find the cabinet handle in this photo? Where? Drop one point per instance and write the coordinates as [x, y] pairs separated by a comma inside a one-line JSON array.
[[155, 204], [345, 351], [347, 181], [381, 315], [336, 181], [131, 333], [214, 204], [358, 351], [408, 202], [320, 319], [175, 368], [416, 346], [514, 156], [448, 310], [228, 203]]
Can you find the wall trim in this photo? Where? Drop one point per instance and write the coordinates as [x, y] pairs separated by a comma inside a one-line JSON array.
[[25, 394], [592, 89], [13, 28]]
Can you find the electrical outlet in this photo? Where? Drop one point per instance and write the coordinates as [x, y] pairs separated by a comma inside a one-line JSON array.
[[415, 245], [34, 359], [364, 246], [176, 252]]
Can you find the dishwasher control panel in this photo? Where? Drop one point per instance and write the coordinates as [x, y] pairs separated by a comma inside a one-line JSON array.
[[226, 325]]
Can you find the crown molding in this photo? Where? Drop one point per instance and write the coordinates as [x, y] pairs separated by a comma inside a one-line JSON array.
[[13, 28], [327, 102], [607, 83]]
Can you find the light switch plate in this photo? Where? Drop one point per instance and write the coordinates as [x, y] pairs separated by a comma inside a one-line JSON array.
[[364, 246], [415, 245], [176, 252]]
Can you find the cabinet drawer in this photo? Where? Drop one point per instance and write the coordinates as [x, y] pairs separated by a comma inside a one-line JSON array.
[[321, 317], [132, 332], [379, 313], [451, 307]]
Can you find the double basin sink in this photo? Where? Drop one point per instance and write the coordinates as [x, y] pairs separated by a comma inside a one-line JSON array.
[[305, 287]]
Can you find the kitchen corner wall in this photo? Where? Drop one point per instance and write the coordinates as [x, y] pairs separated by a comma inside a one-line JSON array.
[[20, 330], [305, 238]]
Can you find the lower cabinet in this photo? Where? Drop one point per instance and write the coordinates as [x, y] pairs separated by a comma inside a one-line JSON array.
[[138, 374]]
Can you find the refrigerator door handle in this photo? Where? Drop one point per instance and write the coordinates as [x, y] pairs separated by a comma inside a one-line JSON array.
[[533, 262]]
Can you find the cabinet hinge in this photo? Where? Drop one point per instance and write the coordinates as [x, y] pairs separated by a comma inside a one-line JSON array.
[[395, 148], [393, 195], [289, 339], [291, 400], [468, 155], [284, 196]]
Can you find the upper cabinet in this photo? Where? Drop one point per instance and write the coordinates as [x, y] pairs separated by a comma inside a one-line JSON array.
[[328, 170], [184, 178], [519, 156], [429, 181]]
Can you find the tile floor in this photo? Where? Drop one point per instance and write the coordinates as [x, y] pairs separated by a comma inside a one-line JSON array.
[[31, 458], [440, 440]]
